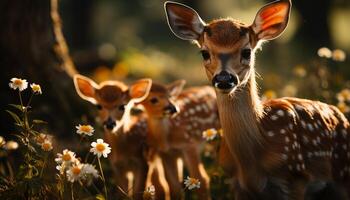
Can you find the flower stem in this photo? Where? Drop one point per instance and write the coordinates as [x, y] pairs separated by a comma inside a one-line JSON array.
[[72, 192], [42, 169], [20, 99], [103, 177], [30, 100]]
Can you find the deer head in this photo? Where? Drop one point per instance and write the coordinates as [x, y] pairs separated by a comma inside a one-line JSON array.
[[112, 98], [227, 45], [160, 101]]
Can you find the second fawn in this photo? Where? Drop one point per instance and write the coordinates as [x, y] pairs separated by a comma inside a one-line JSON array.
[[274, 148], [176, 121]]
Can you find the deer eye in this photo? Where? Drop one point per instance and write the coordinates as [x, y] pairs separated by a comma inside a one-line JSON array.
[[246, 54], [98, 106], [205, 55], [154, 100], [121, 107]]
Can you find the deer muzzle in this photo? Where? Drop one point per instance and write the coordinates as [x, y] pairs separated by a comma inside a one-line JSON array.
[[225, 81], [110, 123]]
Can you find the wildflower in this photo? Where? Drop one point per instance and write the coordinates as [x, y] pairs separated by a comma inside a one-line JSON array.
[[75, 172], [192, 183], [343, 107], [344, 95], [46, 145], [209, 134], [66, 157], [338, 55], [36, 88], [269, 94], [149, 193], [20, 84], [90, 170], [85, 130], [289, 91], [11, 145], [299, 71], [324, 52], [2, 141], [100, 148]]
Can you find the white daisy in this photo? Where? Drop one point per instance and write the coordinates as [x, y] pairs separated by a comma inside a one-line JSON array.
[[75, 172], [90, 170], [149, 193], [36, 88], [46, 145], [209, 134], [66, 157], [100, 148], [85, 130], [192, 183], [20, 84]]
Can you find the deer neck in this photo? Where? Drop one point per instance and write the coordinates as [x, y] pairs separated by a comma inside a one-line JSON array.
[[159, 131], [240, 115]]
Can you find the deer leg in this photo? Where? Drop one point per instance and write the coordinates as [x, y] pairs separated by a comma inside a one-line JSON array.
[[121, 181], [140, 179], [169, 161], [156, 177], [196, 169]]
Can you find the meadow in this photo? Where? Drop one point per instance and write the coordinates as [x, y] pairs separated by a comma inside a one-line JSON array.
[[52, 143]]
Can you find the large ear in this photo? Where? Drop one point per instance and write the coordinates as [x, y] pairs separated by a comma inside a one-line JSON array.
[[183, 21], [85, 88], [176, 87], [272, 19], [140, 89]]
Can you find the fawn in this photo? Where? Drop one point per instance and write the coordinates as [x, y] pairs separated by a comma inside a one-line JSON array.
[[273, 149], [176, 120], [129, 145]]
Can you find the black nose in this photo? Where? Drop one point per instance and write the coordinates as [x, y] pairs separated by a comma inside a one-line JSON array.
[[170, 109], [224, 81], [110, 123]]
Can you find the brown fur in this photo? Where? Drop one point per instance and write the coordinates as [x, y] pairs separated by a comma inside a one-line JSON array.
[[129, 147], [178, 136], [265, 147]]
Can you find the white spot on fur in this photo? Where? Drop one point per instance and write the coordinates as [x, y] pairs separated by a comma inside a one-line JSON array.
[[274, 117], [270, 134], [280, 113]]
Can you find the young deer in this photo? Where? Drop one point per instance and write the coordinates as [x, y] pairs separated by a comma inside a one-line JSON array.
[[176, 121], [272, 148], [127, 136]]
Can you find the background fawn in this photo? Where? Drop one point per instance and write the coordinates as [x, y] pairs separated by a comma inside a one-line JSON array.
[[274, 148], [176, 121]]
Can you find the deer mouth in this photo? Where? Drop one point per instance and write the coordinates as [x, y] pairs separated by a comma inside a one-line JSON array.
[[170, 111], [224, 81]]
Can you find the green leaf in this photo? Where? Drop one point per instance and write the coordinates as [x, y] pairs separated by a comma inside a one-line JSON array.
[[39, 121], [100, 197], [15, 117], [18, 107]]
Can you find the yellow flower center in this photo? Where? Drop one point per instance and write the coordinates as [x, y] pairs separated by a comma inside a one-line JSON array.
[[17, 82], [85, 128], [66, 157], [193, 181], [210, 133], [76, 170], [46, 146], [36, 88], [100, 147]]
